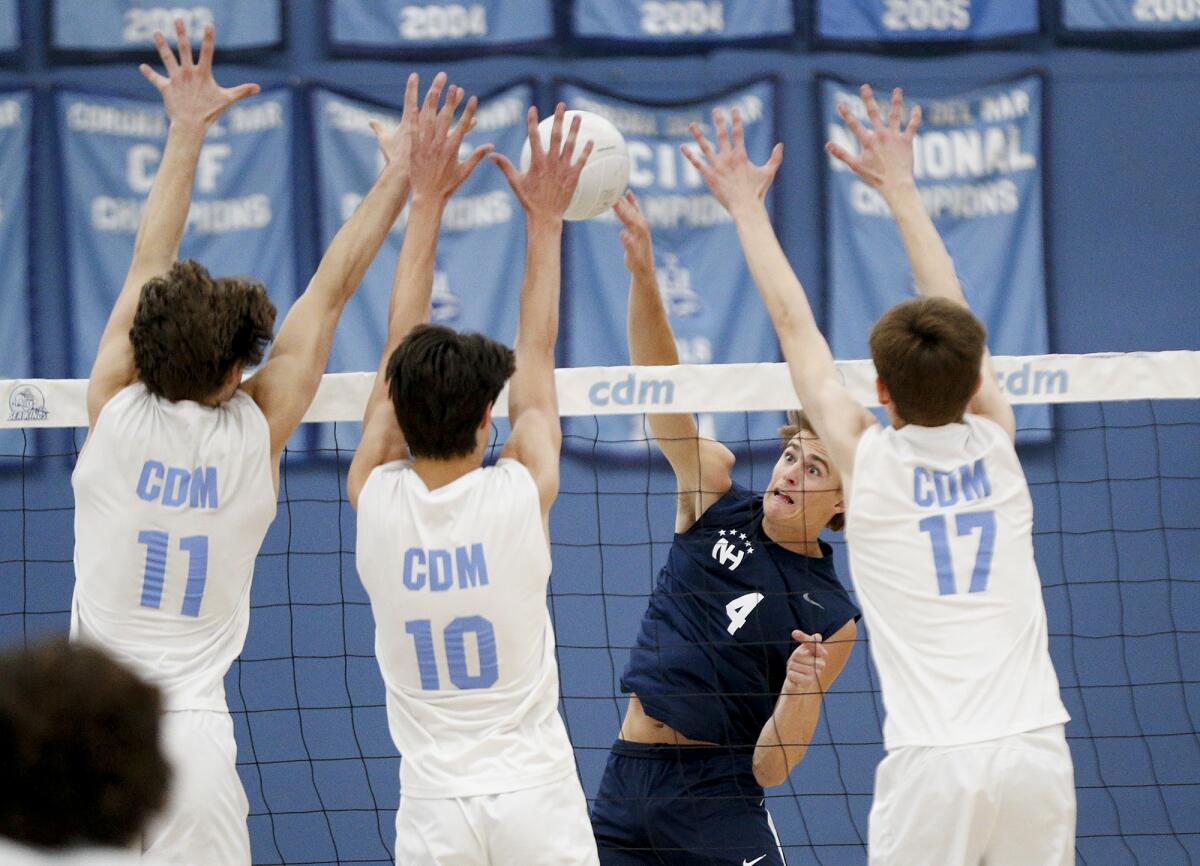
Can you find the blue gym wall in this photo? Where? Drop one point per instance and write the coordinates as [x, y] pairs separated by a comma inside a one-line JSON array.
[[1123, 206]]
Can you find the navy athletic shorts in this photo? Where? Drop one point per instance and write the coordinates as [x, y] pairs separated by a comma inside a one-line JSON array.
[[675, 805]]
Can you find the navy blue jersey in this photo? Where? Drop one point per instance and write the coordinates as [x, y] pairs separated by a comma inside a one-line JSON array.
[[712, 650]]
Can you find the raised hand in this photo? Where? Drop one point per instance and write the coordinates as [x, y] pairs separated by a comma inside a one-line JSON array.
[[635, 237], [545, 190], [885, 156], [190, 93], [805, 665], [734, 180], [436, 169], [396, 145]]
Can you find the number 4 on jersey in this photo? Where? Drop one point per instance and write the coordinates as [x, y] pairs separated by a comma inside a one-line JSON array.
[[740, 608]]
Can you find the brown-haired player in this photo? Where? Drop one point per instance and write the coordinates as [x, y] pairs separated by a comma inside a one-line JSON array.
[[81, 767], [747, 626], [939, 529], [177, 481], [456, 555]]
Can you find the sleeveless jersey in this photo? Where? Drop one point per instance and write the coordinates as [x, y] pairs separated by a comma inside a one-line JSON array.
[[457, 578], [940, 535], [711, 654], [172, 501]]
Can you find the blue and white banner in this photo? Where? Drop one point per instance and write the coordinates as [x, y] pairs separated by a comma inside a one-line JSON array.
[[714, 308], [433, 24], [16, 108], [978, 163], [10, 26], [924, 20], [1131, 16], [667, 21], [241, 217], [481, 250], [122, 25]]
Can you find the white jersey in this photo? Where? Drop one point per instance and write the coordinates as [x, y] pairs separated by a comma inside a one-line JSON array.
[[940, 535], [172, 501], [457, 578]]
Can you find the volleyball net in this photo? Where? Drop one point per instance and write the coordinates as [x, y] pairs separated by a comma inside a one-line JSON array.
[[1111, 450]]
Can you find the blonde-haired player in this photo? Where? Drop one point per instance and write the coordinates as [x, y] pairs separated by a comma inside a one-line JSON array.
[[939, 529], [456, 556]]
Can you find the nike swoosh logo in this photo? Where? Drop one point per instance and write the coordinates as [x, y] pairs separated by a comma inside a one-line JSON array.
[[755, 860], [816, 604]]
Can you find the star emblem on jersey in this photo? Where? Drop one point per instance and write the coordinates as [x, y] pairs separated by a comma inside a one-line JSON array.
[[731, 547]]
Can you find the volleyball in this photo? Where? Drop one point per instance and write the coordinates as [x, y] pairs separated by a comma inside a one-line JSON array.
[[604, 178]]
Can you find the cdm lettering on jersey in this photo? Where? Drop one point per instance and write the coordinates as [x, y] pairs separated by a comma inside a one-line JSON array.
[[968, 483], [176, 486], [439, 570]]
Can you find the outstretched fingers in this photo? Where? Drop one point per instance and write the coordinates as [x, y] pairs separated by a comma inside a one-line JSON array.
[[207, 47], [153, 77], [697, 163], [560, 112], [739, 131], [583, 157], [467, 121], [852, 122], [840, 153], [568, 150], [454, 97], [184, 43], [914, 123], [706, 147], [165, 53], [411, 92], [868, 98], [429, 109], [722, 132], [896, 110], [535, 140]]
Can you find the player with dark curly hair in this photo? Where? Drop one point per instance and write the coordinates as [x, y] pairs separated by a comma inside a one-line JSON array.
[[81, 769]]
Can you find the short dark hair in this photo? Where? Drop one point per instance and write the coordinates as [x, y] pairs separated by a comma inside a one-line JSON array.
[[191, 329], [441, 382], [79, 747], [797, 423], [927, 351]]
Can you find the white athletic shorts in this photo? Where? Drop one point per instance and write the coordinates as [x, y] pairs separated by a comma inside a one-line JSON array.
[[204, 822], [1005, 802], [543, 826]]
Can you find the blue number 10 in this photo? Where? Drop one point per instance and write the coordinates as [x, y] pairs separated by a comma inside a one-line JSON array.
[[196, 547], [965, 524], [454, 639]]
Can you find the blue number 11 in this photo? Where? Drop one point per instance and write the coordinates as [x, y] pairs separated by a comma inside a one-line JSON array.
[[196, 547], [965, 524]]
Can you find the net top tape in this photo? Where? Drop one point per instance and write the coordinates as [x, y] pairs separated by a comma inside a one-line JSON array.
[[693, 388]]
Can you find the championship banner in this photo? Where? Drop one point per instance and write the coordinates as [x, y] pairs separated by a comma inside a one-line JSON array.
[[481, 250], [16, 108], [1128, 17], [123, 25], [241, 217], [10, 26], [686, 21], [924, 20], [710, 298], [977, 163], [423, 25]]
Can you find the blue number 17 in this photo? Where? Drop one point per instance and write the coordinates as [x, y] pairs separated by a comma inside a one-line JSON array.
[[965, 524]]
